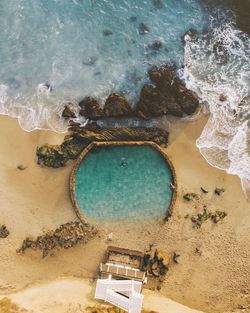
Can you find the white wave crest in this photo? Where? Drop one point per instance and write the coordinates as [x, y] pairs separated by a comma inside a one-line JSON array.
[[217, 68], [39, 111]]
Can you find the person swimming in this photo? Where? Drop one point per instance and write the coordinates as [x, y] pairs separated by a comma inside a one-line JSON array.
[[123, 162]]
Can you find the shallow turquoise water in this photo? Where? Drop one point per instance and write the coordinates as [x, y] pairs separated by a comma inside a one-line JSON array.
[[122, 182]]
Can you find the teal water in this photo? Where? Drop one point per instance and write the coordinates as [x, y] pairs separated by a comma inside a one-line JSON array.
[[123, 182], [84, 47]]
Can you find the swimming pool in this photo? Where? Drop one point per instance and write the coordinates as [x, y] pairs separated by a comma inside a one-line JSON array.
[[117, 181]]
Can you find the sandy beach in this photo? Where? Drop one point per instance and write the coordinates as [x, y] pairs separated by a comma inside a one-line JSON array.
[[213, 270]]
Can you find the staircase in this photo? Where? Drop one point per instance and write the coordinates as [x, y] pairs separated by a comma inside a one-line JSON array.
[[125, 294]]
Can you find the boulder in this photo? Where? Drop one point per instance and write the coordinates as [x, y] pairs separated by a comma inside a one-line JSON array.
[[191, 34], [90, 108], [156, 45], [167, 95], [66, 236], [163, 258], [151, 104], [68, 111], [107, 32], [117, 106], [158, 4], [143, 29], [219, 191], [4, 231], [185, 98]]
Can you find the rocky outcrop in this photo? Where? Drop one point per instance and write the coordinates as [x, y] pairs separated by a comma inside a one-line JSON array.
[[200, 218], [58, 155], [143, 29], [66, 236], [90, 108], [51, 156], [4, 231], [167, 95], [68, 111], [191, 34], [156, 262], [117, 106]]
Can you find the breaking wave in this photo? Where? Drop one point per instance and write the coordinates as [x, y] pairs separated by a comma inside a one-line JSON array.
[[57, 51], [217, 68]]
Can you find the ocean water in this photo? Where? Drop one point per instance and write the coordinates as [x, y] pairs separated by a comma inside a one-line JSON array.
[[123, 182], [55, 51], [83, 47]]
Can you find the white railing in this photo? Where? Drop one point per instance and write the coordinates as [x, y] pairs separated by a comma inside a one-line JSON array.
[[117, 300], [130, 300]]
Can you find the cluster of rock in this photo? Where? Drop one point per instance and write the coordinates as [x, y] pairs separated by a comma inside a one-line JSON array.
[[194, 196], [166, 95], [57, 155], [66, 236], [116, 106], [110, 309], [191, 196], [4, 232], [200, 218], [156, 263]]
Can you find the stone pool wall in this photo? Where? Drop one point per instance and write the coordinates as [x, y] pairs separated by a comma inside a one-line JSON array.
[[93, 144]]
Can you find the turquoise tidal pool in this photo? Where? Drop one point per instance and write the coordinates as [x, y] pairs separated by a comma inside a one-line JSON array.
[[123, 182]]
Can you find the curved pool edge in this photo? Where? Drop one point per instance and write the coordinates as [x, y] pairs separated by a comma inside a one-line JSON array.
[[86, 150]]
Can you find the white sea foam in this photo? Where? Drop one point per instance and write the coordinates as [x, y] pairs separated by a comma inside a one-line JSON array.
[[63, 44], [217, 64]]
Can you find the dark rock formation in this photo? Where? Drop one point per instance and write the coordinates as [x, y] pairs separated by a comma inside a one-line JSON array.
[[222, 97], [66, 236], [117, 106], [156, 262], [168, 95], [133, 18], [68, 111], [73, 144], [4, 231], [158, 4], [219, 191], [192, 34], [90, 108], [143, 29], [156, 45], [204, 190], [107, 32], [191, 196], [51, 156], [200, 218]]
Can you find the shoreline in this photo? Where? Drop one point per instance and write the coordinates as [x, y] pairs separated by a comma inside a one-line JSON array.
[[37, 199]]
